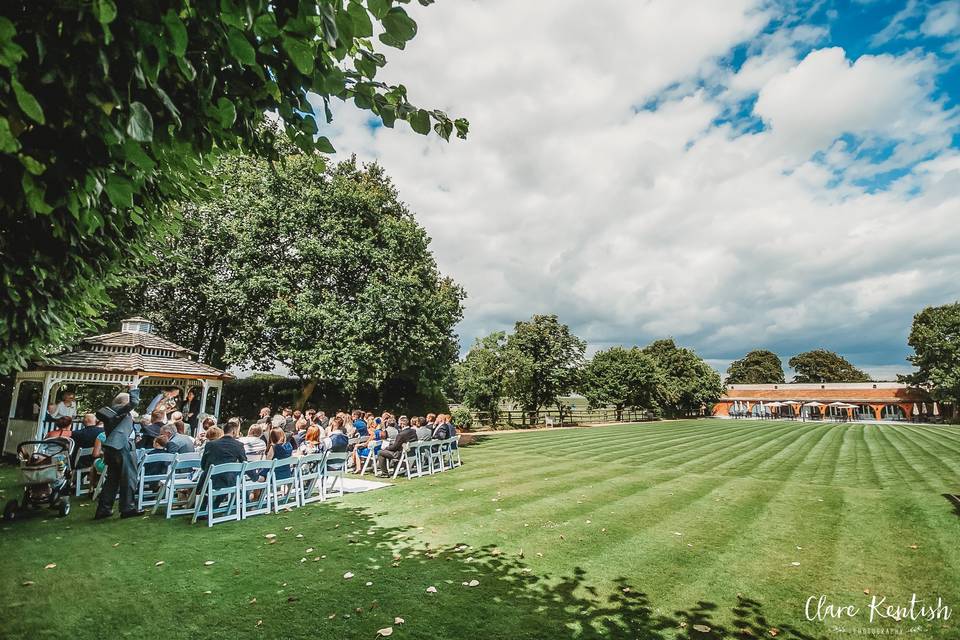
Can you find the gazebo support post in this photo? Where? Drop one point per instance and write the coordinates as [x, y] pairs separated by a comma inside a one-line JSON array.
[[216, 406], [44, 401], [203, 397]]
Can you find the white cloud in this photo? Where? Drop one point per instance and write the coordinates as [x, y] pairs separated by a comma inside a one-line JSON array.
[[633, 223], [942, 20]]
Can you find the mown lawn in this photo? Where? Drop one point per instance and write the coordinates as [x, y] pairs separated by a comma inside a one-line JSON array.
[[657, 530]]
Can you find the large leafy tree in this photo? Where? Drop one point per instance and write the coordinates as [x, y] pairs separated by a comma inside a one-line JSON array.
[[821, 365], [110, 110], [757, 367], [326, 273], [688, 384], [621, 378], [935, 338], [543, 360], [481, 376]]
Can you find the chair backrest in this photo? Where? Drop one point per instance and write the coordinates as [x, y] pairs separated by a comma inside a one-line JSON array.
[[258, 465], [186, 461], [336, 458], [290, 462], [188, 456], [160, 458], [311, 463], [226, 467]]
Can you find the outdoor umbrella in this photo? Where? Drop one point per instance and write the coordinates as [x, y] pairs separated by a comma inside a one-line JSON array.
[[936, 409], [814, 404], [923, 408], [916, 411]]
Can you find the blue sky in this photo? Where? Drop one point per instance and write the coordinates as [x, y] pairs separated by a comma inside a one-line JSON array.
[[735, 175]]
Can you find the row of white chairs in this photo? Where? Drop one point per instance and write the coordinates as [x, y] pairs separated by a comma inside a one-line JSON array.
[[421, 458]]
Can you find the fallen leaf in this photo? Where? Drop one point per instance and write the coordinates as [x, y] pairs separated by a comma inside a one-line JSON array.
[[347, 575], [539, 555], [208, 563], [272, 541], [252, 601], [795, 564], [773, 632], [50, 566], [913, 546], [431, 589], [474, 583], [386, 631], [398, 620], [289, 528], [28, 583], [158, 563], [310, 550], [116, 544], [866, 591], [369, 584], [292, 599], [299, 535], [259, 623], [207, 593], [702, 628], [270, 536]]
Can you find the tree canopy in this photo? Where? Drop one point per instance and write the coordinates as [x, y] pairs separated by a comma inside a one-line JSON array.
[[821, 365], [326, 273], [481, 376], [543, 360], [757, 367], [935, 338], [111, 110], [688, 384], [621, 378]]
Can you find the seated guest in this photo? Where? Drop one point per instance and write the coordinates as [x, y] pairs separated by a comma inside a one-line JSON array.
[[321, 420], [85, 437], [372, 445], [424, 431], [177, 441], [280, 450], [253, 442], [290, 423], [221, 447], [395, 449], [158, 417], [296, 438], [159, 445], [208, 423], [62, 428], [431, 420], [311, 440], [336, 442], [264, 416], [311, 416], [391, 429], [360, 424], [443, 428]]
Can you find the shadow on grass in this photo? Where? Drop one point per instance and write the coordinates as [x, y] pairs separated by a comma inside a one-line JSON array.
[[326, 571], [954, 500]]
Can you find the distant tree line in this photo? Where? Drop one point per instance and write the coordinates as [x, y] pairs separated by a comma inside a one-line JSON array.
[[541, 361], [765, 367]]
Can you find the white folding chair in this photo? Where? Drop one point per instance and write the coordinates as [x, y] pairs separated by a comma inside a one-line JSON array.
[[179, 491], [149, 484], [81, 475], [434, 454], [334, 468], [310, 477], [285, 493], [409, 461], [219, 504], [455, 451], [255, 491], [370, 460]]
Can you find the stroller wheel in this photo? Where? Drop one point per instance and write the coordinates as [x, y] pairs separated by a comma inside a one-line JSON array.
[[10, 510], [63, 507]]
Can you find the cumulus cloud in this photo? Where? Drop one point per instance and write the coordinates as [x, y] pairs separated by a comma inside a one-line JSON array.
[[619, 173]]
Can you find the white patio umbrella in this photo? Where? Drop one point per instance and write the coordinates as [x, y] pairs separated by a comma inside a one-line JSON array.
[[814, 404], [936, 409], [916, 411], [773, 404], [923, 408]]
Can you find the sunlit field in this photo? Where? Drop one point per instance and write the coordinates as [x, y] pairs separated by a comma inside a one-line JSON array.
[[696, 529]]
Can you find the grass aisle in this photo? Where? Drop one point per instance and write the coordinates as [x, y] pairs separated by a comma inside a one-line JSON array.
[[659, 530]]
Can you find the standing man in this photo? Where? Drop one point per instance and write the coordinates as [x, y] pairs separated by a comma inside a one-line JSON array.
[[67, 407], [118, 456], [166, 400]]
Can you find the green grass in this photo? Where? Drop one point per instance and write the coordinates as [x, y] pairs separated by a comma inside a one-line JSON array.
[[628, 531]]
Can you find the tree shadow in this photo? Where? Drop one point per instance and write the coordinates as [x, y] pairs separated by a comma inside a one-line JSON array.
[[954, 500], [331, 571]]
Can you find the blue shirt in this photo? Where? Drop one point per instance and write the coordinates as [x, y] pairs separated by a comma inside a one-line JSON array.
[[361, 427]]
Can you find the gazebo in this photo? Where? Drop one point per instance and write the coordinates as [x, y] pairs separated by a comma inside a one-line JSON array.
[[133, 355]]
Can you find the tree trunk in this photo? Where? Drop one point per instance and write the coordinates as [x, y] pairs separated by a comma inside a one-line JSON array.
[[306, 392], [619, 413]]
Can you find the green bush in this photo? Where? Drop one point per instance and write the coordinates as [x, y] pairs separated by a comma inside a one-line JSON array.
[[462, 418]]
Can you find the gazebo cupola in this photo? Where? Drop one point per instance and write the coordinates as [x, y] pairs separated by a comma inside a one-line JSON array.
[[135, 355]]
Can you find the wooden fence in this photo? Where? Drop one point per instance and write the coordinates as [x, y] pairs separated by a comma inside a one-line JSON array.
[[568, 419]]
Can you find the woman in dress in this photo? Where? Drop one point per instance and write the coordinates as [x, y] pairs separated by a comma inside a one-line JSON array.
[[373, 444]]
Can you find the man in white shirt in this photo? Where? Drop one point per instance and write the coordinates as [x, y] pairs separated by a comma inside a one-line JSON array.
[[67, 406], [253, 444]]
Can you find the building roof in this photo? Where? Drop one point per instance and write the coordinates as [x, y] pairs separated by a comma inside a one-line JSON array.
[[131, 351], [862, 392]]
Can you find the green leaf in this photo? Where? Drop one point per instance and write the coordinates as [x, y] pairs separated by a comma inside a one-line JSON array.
[[33, 166], [8, 143], [35, 194], [265, 26], [140, 126], [120, 192], [240, 47], [105, 11], [323, 145], [28, 104], [177, 32], [301, 54], [362, 26], [227, 112], [186, 68], [135, 154], [378, 8], [420, 121], [399, 25], [10, 52]]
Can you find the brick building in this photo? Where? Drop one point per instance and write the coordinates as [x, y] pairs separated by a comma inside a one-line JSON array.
[[863, 400]]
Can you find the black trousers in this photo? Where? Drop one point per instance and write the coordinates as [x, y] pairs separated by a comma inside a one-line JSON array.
[[384, 457], [121, 475]]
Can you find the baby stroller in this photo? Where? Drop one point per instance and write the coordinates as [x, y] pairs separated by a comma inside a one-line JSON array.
[[45, 475]]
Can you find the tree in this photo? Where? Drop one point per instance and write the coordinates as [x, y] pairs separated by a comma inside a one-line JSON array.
[[935, 338], [327, 273], [621, 378], [757, 367], [821, 365], [482, 375], [689, 383], [110, 111], [543, 360]]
